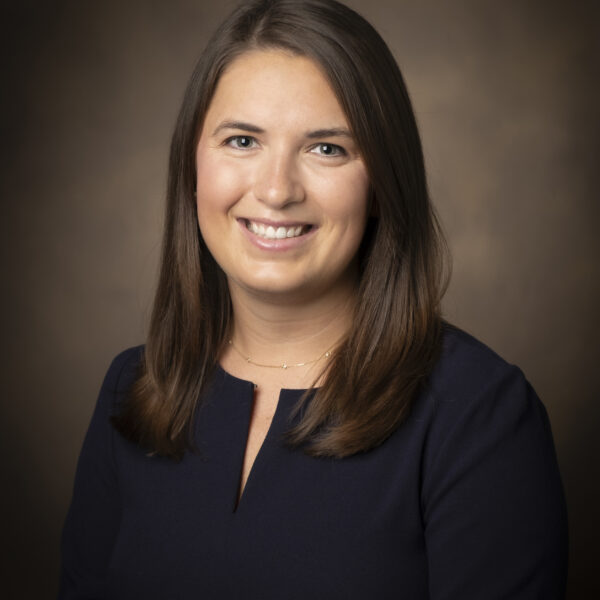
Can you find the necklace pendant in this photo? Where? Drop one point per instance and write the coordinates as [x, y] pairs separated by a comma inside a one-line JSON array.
[[284, 365]]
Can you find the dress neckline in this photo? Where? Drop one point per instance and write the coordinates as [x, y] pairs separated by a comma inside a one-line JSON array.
[[239, 381]]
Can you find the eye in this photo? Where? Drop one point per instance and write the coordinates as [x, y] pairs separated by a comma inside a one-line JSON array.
[[325, 149], [240, 142]]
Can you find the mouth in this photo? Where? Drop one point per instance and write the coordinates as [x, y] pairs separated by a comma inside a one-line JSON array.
[[276, 232]]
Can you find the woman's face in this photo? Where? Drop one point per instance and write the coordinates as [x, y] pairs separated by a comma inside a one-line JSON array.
[[281, 187]]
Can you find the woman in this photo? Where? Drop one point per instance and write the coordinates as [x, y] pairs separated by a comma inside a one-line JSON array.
[[300, 422]]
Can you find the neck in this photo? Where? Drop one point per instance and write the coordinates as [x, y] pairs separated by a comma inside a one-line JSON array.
[[272, 331]]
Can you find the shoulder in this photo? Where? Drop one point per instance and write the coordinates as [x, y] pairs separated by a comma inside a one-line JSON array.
[[479, 405], [491, 492], [469, 375], [122, 373], [468, 365], [476, 403]]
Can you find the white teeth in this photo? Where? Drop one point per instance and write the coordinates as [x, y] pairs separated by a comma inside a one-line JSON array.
[[269, 232]]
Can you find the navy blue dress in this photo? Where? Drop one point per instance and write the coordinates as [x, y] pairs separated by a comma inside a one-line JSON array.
[[464, 501]]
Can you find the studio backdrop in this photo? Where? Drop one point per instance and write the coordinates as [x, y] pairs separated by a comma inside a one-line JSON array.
[[506, 95]]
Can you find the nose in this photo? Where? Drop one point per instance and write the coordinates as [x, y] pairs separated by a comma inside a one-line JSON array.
[[278, 181]]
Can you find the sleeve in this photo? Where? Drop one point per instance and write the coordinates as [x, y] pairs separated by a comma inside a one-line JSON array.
[[92, 521], [493, 504]]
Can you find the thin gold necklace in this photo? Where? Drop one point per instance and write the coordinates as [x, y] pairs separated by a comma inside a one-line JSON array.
[[283, 365]]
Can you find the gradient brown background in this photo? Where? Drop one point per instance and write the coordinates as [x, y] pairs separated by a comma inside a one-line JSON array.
[[507, 98]]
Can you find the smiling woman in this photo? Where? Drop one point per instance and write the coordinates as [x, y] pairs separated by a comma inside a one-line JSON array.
[[301, 423], [283, 210]]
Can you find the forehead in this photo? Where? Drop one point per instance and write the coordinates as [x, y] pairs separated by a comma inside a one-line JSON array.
[[275, 86]]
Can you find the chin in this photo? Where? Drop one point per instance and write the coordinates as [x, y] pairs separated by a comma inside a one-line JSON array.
[[276, 288]]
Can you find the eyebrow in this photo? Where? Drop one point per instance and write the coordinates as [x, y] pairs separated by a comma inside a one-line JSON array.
[[238, 125], [317, 133], [325, 133]]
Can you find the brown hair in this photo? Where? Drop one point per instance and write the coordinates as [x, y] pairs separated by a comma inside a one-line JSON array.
[[374, 375]]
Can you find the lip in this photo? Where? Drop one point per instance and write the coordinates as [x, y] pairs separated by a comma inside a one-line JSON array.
[[277, 245]]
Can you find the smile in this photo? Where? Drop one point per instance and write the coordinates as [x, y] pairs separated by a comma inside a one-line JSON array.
[[269, 232]]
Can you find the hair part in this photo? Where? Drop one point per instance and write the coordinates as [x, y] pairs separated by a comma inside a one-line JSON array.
[[393, 343]]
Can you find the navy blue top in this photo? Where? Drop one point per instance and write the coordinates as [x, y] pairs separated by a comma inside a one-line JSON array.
[[463, 501]]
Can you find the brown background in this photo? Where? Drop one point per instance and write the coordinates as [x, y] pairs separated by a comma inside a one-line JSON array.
[[507, 97]]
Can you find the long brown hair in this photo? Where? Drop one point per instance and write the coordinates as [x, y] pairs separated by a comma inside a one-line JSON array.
[[392, 345]]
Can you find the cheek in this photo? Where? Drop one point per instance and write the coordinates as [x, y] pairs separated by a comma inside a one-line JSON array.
[[218, 184], [346, 199]]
